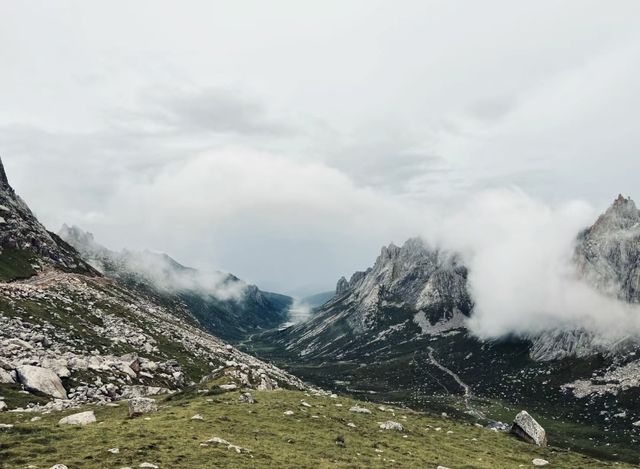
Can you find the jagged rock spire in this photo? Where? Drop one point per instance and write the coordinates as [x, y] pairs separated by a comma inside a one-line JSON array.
[[4, 182]]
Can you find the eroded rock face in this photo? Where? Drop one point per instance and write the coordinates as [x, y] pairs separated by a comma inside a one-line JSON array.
[[141, 405], [82, 418], [526, 428], [43, 380]]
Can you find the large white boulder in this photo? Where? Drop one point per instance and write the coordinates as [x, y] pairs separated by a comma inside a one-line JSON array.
[[82, 418], [526, 427], [34, 378], [141, 405]]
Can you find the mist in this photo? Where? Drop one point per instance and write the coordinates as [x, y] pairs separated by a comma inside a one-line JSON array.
[[522, 277]]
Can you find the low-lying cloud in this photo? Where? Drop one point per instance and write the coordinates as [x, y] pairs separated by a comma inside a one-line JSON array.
[[521, 271]]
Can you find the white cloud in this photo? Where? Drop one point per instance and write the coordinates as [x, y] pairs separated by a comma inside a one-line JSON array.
[[522, 278]]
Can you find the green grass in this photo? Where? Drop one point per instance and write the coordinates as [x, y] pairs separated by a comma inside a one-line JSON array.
[[171, 439], [16, 264]]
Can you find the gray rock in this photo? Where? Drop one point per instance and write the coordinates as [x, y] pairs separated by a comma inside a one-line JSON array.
[[3, 406], [526, 428], [391, 425], [5, 377], [34, 378], [359, 410], [247, 398], [540, 462], [82, 418], [59, 466], [141, 405]]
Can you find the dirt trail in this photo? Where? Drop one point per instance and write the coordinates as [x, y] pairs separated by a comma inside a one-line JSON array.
[[468, 394]]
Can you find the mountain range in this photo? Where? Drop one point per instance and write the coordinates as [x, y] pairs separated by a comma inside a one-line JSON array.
[[82, 325], [398, 332]]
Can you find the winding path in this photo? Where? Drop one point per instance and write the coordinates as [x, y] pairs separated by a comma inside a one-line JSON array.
[[468, 395]]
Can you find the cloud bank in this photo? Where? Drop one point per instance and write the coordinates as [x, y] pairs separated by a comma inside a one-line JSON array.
[[521, 272]]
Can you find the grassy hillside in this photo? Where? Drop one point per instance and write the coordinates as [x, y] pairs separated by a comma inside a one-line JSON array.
[[170, 438]]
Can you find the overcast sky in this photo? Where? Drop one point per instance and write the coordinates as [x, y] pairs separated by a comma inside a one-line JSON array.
[[286, 141]]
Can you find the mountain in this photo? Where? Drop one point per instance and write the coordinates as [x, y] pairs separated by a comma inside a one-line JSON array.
[[222, 303], [70, 336], [397, 332], [410, 290], [608, 253]]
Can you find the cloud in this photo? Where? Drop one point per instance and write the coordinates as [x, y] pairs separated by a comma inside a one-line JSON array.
[[211, 110], [521, 274]]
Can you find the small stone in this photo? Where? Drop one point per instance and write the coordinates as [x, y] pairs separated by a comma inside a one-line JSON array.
[[3, 406], [247, 398], [391, 425], [289, 412], [305, 404], [197, 417], [540, 462], [148, 465], [359, 410]]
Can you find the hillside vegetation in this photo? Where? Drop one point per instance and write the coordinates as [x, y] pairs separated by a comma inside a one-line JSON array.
[[321, 432]]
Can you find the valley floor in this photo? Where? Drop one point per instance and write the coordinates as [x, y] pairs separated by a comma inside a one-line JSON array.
[[308, 438]]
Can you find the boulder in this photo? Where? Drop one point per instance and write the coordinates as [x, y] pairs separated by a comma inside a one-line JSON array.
[[526, 428], [540, 462], [82, 418], [391, 425], [59, 466], [34, 378], [359, 410], [3, 406], [141, 405], [5, 377], [246, 398]]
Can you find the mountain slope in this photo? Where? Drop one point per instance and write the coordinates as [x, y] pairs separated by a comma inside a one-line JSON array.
[[321, 431], [69, 335], [409, 291], [222, 303]]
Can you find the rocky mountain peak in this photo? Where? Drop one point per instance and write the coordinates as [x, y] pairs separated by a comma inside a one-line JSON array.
[[621, 215], [608, 251]]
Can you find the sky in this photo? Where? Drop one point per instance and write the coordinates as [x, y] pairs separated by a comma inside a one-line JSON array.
[[287, 141]]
